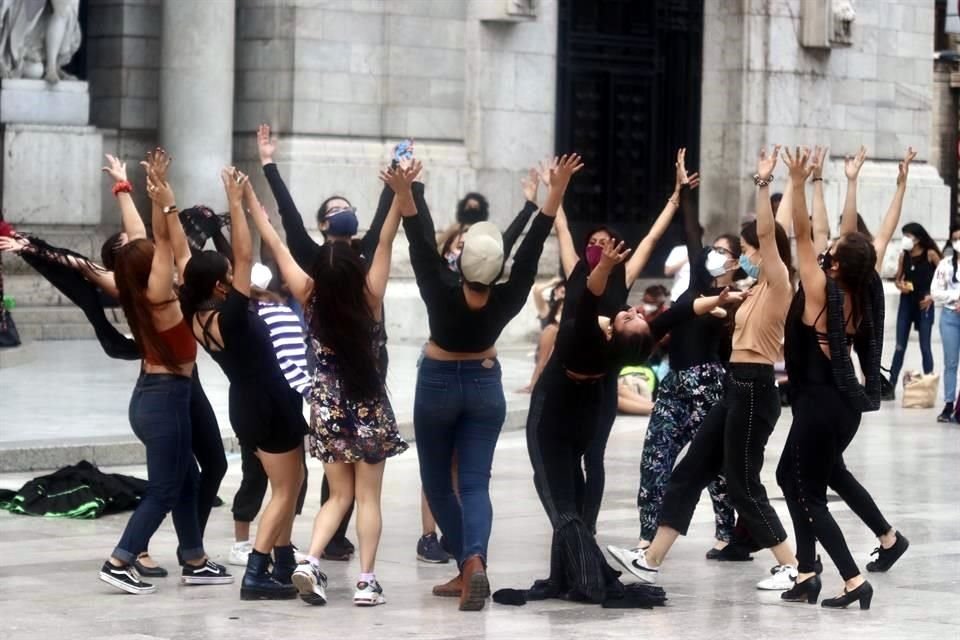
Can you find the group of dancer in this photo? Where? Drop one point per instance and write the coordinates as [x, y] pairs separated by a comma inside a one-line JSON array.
[[720, 396]]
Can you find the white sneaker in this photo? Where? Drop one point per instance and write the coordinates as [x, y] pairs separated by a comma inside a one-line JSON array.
[[239, 553], [311, 583], [298, 555], [368, 594], [635, 561], [783, 578]]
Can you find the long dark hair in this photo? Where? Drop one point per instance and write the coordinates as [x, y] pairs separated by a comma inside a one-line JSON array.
[[322, 211], [923, 238], [749, 233], [109, 249], [132, 266], [857, 259], [203, 272], [341, 319], [949, 245]]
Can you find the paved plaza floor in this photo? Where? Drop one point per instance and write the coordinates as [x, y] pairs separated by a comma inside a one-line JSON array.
[[49, 586]]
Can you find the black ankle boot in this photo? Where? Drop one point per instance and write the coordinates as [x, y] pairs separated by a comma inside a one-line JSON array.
[[863, 594], [284, 563], [887, 557], [258, 584], [947, 414], [808, 590]]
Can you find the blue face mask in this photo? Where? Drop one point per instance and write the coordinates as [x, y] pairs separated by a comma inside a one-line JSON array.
[[752, 270], [343, 223]]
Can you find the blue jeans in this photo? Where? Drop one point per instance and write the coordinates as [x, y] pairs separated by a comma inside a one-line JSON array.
[[950, 335], [909, 315], [160, 417], [459, 407]]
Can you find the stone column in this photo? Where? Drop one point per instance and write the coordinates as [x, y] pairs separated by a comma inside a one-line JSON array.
[[196, 97]]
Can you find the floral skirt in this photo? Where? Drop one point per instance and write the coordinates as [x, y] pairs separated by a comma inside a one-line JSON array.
[[344, 430]]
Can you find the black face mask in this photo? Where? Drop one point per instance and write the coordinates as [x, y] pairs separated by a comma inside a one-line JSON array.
[[826, 260], [472, 215]]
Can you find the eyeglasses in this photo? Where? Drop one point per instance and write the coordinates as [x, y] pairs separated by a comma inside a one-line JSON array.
[[723, 250]]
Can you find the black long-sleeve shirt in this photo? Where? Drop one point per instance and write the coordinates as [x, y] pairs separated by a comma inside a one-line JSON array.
[[302, 246], [453, 325]]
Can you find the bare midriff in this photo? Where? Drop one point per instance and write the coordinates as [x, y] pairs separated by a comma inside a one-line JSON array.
[[434, 352]]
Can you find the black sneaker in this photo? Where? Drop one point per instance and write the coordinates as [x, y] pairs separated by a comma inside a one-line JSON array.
[[887, 557], [208, 573], [733, 552], [947, 414], [125, 578], [430, 551], [338, 550]]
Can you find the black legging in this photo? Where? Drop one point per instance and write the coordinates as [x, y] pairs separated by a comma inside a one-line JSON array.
[[606, 409], [563, 420], [823, 426], [207, 449], [731, 441]]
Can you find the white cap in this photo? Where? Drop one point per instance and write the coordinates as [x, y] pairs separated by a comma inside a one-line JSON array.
[[260, 276], [481, 260]]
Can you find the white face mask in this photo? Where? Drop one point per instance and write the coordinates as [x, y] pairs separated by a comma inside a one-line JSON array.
[[716, 263], [906, 243], [956, 246], [649, 308]]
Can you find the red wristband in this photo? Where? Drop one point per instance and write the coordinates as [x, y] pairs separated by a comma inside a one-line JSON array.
[[123, 186]]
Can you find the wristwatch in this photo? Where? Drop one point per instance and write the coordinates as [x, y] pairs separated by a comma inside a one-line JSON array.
[[170, 209]]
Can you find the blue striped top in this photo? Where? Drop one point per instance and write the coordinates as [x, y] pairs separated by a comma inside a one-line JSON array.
[[289, 344]]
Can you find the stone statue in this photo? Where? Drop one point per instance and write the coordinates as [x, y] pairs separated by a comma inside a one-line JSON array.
[[38, 37]]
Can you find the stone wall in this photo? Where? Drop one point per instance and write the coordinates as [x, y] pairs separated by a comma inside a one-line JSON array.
[[760, 86]]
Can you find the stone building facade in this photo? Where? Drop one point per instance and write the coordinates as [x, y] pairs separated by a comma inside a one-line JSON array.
[[474, 82]]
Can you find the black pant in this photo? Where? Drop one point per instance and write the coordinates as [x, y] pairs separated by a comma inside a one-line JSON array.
[[606, 409], [564, 419], [731, 441], [253, 486], [207, 449], [823, 426], [857, 497]]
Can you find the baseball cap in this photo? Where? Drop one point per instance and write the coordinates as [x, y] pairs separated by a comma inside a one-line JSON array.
[[481, 260], [260, 276]]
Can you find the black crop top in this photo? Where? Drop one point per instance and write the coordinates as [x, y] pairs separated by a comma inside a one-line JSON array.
[[582, 347], [246, 355], [614, 297], [453, 325]]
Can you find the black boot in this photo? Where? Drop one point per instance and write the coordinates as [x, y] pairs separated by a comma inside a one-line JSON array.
[[258, 584], [284, 563], [947, 414]]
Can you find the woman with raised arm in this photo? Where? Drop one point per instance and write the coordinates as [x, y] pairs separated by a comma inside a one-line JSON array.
[[839, 305], [698, 350], [352, 427], [892, 544], [160, 406], [733, 436], [577, 266], [565, 412], [264, 411], [459, 404]]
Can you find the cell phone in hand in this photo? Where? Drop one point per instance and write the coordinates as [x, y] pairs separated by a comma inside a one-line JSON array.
[[403, 150]]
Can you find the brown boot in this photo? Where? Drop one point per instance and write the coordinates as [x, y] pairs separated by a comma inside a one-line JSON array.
[[451, 589], [476, 587]]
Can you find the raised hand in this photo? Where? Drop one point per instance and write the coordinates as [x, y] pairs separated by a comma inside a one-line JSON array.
[[682, 179], [767, 163], [564, 169], [266, 145], [614, 254], [159, 161], [904, 168], [544, 168], [853, 164], [115, 169], [531, 184], [234, 183], [401, 177], [798, 164], [14, 244], [817, 160], [158, 189]]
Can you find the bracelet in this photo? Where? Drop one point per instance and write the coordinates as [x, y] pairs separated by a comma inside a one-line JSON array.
[[761, 182], [123, 186], [817, 180], [170, 210]]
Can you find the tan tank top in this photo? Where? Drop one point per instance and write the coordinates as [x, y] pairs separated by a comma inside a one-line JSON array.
[[760, 323]]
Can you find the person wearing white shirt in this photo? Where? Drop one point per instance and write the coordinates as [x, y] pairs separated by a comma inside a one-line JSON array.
[[677, 267], [945, 291]]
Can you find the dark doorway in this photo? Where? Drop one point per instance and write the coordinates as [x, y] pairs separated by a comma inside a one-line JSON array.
[[628, 95]]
